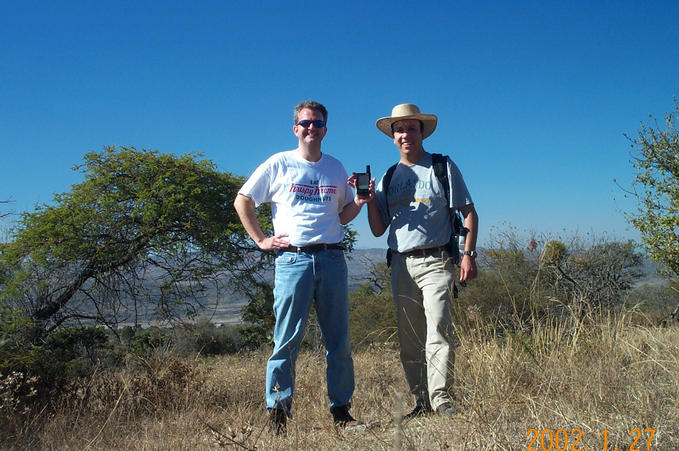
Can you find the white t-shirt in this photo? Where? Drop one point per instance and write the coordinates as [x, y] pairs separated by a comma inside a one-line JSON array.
[[306, 197]]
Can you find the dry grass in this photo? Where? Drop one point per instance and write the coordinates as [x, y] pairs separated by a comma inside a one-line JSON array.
[[595, 375]]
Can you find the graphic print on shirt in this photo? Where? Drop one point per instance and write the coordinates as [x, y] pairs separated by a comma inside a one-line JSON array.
[[313, 191], [409, 192]]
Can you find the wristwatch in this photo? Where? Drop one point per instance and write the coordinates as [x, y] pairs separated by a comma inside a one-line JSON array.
[[472, 254]]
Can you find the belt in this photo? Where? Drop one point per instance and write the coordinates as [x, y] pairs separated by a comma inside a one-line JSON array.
[[424, 252], [313, 248]]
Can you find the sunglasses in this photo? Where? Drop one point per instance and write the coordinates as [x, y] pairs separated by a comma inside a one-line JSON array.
[[317, 123]]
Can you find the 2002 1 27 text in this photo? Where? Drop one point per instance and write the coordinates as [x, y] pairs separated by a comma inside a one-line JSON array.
[[562, 440]]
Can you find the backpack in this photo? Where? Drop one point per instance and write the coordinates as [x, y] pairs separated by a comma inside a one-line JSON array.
[[458, 231]]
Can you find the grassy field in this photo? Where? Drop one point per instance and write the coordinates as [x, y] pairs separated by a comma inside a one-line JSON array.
[[590, 384]]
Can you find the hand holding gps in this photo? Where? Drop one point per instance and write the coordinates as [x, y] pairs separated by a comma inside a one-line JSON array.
[[363, 182]]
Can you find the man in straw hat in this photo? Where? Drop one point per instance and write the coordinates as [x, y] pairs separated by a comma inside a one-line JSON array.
[[418, 216], [310, 201]]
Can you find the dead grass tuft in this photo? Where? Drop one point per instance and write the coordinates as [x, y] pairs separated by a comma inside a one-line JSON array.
[[590, 374]]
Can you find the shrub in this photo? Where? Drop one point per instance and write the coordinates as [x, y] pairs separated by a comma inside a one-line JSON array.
[[203, 337], [145, 340], [518, 282], [372, 315], [258, 318], [17, 391]]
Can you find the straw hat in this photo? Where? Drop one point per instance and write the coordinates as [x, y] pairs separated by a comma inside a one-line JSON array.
[[407, 111]]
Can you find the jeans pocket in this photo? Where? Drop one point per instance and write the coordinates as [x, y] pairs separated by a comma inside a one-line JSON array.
[[286, 258]]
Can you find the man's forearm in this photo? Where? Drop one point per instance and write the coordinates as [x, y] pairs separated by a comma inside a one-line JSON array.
[[245, 207], [468, 270], [471, 223], [349, 212], [377, 226]]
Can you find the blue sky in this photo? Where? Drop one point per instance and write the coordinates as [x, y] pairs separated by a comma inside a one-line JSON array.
[[533, 98]]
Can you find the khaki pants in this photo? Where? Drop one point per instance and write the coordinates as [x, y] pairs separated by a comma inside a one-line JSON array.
[[422, 287]]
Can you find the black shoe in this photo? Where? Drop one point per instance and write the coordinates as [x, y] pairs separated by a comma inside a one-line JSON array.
[[343, 418], [278, 420], [419, 411]]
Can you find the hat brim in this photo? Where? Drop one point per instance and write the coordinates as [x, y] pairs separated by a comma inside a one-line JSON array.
[[429, 122]]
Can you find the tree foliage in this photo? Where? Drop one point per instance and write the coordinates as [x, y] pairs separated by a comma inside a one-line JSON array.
[[656, 187], [142, 229], [258, 317]]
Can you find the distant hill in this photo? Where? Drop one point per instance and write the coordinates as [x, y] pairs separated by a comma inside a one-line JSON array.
[[359, 264], [653, 274], [226, 308]]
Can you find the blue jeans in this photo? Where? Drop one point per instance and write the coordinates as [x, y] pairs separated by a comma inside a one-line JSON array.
[[300, 279]]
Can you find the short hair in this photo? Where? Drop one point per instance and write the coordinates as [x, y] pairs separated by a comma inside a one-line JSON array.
[[421, 126], [312, 105]]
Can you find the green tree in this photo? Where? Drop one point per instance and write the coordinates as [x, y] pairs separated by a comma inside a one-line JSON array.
[[349, 240], [656, 188], [258, 317], [142, 229]]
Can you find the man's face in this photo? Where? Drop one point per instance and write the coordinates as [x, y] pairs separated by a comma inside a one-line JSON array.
[[310, 133], [408, 136]]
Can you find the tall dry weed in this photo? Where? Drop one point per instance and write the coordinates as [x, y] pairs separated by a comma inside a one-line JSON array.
[[582, 371]]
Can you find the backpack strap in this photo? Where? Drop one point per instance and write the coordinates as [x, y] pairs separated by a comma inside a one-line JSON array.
[[385, 185], [439, 164], [441, 171]]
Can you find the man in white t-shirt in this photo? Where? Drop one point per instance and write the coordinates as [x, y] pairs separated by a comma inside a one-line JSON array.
[[311, 198], [417, 213]]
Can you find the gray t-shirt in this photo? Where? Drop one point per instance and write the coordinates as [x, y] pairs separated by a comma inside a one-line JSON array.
[[418, 216]]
